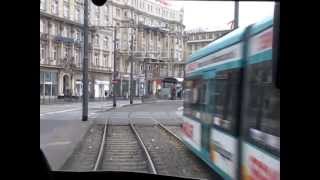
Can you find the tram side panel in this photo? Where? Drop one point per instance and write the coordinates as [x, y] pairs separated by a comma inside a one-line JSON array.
[[214, 110], [261, 115]]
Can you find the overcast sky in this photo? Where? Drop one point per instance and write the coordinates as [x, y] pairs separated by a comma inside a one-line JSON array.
[[215, 15]]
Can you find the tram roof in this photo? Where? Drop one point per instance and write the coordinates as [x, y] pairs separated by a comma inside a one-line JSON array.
[[229, 39], [261, 25]]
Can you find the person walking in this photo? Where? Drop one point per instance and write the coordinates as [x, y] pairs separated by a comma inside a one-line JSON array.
[[173, 93]]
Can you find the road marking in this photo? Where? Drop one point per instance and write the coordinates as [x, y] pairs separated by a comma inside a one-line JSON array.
[[41, 114], [57, 143]]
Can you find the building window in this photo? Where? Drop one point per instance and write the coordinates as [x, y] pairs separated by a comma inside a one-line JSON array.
[[105, 42], [109, 61], [105, 60], [54, 29], [68, 30], [48, 83], [55, 52], [54, 7], [77, 13], [97, 15], [96, 58], [42, 51], [43, 5], [76, 56], [41, 26], [106, 13], [66, 9], [97, 40], [125, 14], [67, 52], [118, 12]]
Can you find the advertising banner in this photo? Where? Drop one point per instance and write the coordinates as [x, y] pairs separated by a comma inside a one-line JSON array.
[[258, 165], [223, 152], [191, 132]]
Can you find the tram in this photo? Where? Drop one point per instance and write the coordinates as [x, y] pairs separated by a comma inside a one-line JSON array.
[[231, 115]]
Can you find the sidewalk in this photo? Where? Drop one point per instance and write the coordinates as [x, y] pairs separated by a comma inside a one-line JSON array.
[[60, 142]]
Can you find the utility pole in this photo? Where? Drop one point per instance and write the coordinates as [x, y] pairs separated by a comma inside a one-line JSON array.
[[85, 65], [131, 69], [145, 78], [114, 66], [236, 15]]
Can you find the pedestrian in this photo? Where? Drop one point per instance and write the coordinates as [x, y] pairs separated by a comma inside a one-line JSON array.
[[179, 94], [173, 93]]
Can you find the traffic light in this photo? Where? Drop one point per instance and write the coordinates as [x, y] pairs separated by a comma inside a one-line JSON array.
[[99, 2]]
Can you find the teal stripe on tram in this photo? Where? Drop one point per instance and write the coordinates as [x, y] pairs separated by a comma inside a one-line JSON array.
[[228, 40], [220, 67], [260, 57]]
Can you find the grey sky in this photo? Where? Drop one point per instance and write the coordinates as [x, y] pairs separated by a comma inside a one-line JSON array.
[[215, 15]]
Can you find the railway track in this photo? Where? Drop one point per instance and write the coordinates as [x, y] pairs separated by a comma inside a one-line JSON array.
[[138, 147], [122, 149], [170, 155]]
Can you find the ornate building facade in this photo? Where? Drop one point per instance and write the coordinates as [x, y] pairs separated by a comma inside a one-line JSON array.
[[157, 46]]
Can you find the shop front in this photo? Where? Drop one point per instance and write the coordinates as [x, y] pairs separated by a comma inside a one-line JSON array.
[[48, 84]]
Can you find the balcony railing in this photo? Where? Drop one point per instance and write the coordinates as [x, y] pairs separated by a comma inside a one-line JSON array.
[[100, 68], [49, 62], [64, 39]]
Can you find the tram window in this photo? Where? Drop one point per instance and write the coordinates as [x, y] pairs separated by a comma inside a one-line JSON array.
[[225, 99], [195, 98], [262, 107]]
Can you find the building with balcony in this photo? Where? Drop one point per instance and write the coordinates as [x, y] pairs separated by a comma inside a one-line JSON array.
[[157, 46]]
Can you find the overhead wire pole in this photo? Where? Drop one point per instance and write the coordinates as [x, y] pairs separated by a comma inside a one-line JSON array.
[[236, 15], [114, 66], [85, 65], [131, 69]]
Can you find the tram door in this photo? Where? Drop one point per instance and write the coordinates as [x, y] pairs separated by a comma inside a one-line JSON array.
[[207, 89]]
